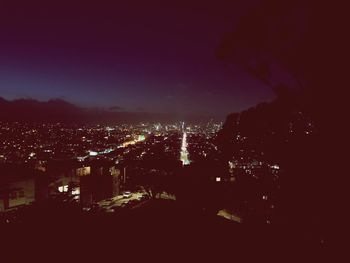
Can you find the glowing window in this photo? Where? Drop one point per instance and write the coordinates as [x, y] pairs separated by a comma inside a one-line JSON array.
[[63, 188]]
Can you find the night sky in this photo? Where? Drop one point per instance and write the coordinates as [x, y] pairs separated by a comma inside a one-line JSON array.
[[134, 55]]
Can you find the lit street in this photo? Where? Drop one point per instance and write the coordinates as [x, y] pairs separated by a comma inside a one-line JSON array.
[[184, 151]]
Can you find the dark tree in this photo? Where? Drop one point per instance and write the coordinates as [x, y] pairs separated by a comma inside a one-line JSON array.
[[294, 47]]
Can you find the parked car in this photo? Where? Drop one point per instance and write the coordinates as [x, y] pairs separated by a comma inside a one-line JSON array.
[[127, 194]]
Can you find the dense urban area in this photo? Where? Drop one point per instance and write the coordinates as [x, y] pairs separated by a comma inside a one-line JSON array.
[[107, 167], [43, 161], [243, 171]]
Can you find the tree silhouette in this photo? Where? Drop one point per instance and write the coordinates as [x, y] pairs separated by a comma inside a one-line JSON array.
[[294, 50]]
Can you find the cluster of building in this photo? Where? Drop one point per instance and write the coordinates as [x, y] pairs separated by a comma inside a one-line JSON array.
[[26, 143], [86, 183], [86, 163], [200, 147]]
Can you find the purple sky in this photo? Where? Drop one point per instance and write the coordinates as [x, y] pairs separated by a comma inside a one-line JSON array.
[[151, 57]]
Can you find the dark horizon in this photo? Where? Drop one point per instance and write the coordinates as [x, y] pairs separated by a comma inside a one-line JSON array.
[[59, 110]]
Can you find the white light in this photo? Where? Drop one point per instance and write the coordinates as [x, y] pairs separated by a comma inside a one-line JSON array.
[[230, 164], [76, 191], [92, 153], [63, 188], [218, 179], [184, 152], [276, 167]]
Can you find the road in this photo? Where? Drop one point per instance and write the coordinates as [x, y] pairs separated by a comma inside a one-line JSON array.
[[118, 200], [229, 215], [184, 151]]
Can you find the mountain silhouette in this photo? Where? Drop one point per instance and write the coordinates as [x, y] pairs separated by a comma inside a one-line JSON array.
[[58, 110]]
